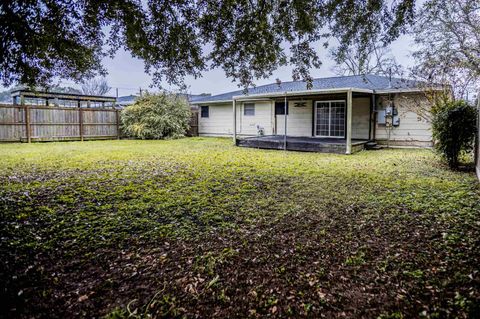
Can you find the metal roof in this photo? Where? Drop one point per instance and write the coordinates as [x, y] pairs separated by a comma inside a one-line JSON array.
[[362, 82], [63, 96]]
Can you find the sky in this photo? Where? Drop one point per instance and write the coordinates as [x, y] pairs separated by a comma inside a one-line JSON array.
[[127, 73]]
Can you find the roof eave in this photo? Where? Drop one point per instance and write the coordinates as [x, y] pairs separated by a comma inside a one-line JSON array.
[[409, 90], [313, 92], [210, 102], [299, 93]]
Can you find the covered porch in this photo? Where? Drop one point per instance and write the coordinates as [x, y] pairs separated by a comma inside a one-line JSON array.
[[305, 144], [330, 121]]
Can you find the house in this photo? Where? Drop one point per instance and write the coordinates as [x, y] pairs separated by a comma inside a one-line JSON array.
[[337, 114]]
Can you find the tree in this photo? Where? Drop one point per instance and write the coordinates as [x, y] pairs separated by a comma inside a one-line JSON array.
[[454, 128], [374, 58], [95, 87], [157, 116], [41, 40], [447, 34]]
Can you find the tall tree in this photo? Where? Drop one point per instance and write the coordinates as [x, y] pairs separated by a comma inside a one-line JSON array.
[[447, 34], [248, 39], [373, 59], [96, 86]]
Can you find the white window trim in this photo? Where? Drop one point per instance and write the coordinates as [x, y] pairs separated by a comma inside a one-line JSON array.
[[250, 104], [208, 108], [329, 118]]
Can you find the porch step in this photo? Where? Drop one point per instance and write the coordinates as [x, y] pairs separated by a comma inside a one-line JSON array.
[[372, 146]]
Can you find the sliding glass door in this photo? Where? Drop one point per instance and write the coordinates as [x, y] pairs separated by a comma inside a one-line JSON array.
[[330, 119]]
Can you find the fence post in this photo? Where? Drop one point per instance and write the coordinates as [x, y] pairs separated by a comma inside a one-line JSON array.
[[80, 120], [117, 114], [27, 123]]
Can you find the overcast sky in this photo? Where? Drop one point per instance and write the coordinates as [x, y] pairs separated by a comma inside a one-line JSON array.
[[127, 73]]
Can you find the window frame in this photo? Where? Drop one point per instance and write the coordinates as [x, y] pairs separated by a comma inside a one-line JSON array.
[[280, 105], [251, 107], [202, 108]]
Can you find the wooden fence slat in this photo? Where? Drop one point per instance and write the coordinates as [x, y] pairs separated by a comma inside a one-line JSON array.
[[45, 123], [80, 117], [27, 124], [118, 123]]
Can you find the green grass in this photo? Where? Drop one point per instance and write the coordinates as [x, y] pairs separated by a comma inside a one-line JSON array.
[[198, 227]]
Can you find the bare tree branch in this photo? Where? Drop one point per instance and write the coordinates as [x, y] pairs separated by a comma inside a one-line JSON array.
[[95, 87]]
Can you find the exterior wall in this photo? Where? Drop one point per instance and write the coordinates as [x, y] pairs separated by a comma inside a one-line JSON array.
[[219, 122], [360, 117], [299, 120], [247, 125], [414, 130]]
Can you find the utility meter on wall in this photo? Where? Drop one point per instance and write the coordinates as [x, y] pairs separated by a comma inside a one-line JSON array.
[[389, 110]]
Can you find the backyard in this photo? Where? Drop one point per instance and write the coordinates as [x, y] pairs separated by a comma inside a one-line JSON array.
[[199, 228]]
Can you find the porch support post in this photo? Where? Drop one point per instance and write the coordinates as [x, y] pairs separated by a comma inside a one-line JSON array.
[[285, 109], [349, 123], [234, 122]]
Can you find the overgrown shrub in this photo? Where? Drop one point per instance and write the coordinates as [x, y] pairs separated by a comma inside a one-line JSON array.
[[157, 116], [454, 128]]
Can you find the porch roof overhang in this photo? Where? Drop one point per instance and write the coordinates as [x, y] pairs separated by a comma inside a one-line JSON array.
[[298, 93], [273, 95]]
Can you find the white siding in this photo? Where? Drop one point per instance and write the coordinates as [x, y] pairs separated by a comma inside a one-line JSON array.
[[247, 125], [360, 117], [219, 122], [413, 129], [299, 120]]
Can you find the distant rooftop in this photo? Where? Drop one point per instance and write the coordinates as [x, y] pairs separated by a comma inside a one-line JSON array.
[[368, 82]]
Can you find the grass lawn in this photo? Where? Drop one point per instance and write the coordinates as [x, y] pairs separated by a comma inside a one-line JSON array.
[[198, 228]]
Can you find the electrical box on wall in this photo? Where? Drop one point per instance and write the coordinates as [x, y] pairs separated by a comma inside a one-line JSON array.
[[381, 117]]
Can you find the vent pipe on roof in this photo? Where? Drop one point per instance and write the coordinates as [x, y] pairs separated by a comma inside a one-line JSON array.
[[279, 83]]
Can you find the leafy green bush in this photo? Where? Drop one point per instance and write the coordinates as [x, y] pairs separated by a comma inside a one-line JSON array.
[[157, 116], [454, 128]]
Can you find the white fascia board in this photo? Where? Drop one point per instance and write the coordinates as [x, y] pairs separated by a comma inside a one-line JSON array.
[[267, 96], [210, 102], [298, 93], [411, 90]]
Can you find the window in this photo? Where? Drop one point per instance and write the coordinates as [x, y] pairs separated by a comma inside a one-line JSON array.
[[249, 109], [204, 111], [280, 108], [330, 118]]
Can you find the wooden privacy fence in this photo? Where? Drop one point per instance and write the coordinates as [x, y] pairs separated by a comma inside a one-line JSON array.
[[28, 123]]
